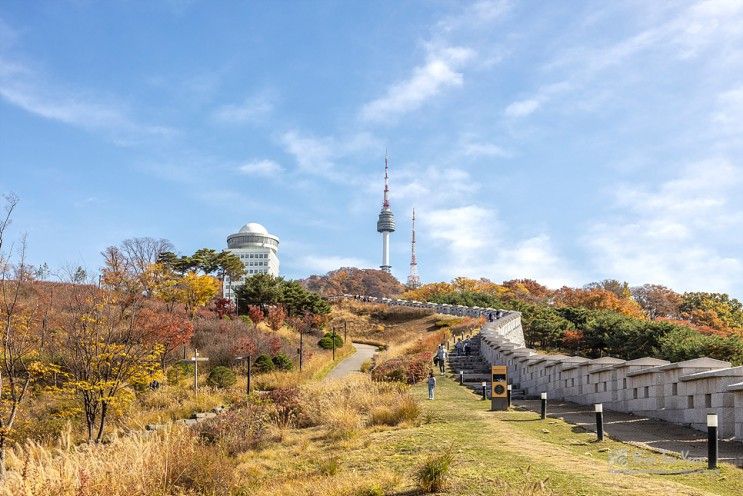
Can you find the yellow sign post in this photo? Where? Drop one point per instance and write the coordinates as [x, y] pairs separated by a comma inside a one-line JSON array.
[[499, 388]]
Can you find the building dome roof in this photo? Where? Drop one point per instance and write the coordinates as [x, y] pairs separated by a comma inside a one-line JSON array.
[[254, 228]]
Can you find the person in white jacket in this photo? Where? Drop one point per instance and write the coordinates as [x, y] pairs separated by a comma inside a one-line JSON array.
[[441, 355]]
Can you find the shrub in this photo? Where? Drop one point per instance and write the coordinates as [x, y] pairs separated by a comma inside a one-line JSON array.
[[178, 372], [282, 362], [221, 377], [342, 423], [408, 369], [327, 341], [406, 410], [433, 473], [236, 431], [264, 363], [287, 406]]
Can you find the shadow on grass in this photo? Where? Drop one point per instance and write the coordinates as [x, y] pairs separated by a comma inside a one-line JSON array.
[[523, 420]]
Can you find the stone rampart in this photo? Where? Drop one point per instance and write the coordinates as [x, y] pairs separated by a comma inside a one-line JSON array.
[[681, 393]]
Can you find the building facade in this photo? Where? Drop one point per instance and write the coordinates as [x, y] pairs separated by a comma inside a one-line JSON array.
[[258, 251]]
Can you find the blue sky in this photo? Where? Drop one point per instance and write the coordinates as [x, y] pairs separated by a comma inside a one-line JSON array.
[[562, 141]]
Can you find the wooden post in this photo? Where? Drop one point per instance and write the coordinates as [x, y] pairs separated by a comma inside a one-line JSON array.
[[334, 343], [301, 348], [195, 360], [250, 373]]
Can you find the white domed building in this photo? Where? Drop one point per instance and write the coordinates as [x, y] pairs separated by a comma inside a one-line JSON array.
[[257, 249]]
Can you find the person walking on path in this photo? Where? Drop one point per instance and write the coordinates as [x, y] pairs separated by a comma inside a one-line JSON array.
[[467, 348], [431, 385], [441, 355]]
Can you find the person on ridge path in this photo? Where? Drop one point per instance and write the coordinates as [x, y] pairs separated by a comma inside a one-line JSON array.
[[441, 356], [431, 384]]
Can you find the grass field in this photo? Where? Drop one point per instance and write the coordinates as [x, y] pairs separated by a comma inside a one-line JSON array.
[[493, 452]]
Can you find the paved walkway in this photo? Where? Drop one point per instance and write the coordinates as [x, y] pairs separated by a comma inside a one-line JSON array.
[[353, 363], [653, 433]]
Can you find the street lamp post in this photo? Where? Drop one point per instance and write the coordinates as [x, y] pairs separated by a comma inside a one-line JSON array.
[[248, 371]]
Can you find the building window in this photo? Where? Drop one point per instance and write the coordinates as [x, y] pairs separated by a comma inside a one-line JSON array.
[[572, 382], [647, 391], [596, 388], [588, 379], [675, 388], [708, 401], [624, 383], [690, 401], [634, 393], [604, 386]]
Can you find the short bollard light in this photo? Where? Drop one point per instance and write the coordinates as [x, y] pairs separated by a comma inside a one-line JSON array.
[[711, 441], [461, 377], [484, 390], [508, 394], [544, 406], [599, 409]]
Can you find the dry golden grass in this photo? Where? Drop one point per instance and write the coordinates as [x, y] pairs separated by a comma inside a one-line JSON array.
[[168, 462]]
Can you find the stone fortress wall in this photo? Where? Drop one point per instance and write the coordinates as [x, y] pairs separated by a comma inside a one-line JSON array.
[[681, 393]]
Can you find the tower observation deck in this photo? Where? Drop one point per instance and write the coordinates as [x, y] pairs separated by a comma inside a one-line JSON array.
[[386, 221]]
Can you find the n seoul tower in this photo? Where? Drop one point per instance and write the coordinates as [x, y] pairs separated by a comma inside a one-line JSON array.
[[386, 221]]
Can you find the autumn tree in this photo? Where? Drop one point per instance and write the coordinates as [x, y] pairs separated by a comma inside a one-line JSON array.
[[658, 301], [276, 317], [255, 314], [350, 280], [167, 329], [196, 291], [620, 289], [597, 299], [716, 310], [105, 352], [223, 307], [19, 363]]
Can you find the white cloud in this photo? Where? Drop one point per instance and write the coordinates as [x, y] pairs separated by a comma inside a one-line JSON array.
[[253, 109], [319, 264], [522, 108], [675, 233], [525, 107], [439, 72], [263, 167], [477, 14], [319, 156], [481, 149], [25, 88], [478, 245]]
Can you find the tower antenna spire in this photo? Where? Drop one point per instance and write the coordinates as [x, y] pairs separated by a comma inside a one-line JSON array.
[[386, 203], [386, 221], [414, 280]]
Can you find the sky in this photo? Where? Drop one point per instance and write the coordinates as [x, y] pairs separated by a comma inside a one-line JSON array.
[[567, 142]]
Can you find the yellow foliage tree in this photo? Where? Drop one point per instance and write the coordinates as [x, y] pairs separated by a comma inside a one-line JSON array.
[[195, 291]]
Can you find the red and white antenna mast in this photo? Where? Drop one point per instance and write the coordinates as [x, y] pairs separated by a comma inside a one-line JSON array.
[[414, 281]]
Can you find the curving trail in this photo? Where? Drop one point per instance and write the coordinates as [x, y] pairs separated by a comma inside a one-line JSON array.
[[353, 363]]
